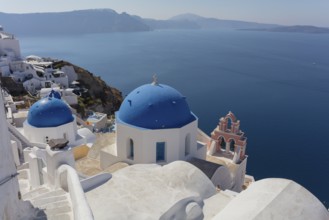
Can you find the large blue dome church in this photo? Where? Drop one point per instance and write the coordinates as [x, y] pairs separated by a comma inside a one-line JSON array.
[[155, 125]]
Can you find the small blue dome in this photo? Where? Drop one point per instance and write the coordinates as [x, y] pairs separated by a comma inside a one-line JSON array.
[[49, 112], [55, 94], [155, 106]]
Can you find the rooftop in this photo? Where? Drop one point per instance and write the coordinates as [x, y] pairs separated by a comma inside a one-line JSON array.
[[156, 184]]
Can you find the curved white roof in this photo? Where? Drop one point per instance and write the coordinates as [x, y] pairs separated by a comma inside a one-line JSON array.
[[275, 199], [33, 57], [147, 191]]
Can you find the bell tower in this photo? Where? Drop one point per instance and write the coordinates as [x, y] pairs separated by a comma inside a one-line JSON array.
[[227, 138]]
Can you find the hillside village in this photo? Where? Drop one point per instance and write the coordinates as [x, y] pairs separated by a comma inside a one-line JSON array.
[[36, 76]]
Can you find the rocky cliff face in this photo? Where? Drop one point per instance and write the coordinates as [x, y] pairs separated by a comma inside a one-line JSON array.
[[15, 89], [99, 97]]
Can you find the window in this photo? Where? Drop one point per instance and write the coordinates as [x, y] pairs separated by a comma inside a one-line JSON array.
[[232, 145], [187, 144], [130, 150], [160, 151], [222, 143], [47, 84]]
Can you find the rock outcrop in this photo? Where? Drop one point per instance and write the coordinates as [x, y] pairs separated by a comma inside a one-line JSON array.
[[99, 97]]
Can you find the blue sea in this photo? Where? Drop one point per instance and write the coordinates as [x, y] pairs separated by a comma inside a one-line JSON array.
[[277, 84]]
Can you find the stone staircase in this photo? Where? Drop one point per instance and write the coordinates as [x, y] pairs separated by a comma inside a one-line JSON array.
[[52, 204]]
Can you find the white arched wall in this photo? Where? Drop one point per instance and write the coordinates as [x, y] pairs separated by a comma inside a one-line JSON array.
[[145, 142], [188, 144]]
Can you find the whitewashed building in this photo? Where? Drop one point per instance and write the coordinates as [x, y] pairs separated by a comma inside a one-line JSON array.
[[34, 72], [9, 46], [67, 94], [51, 118]]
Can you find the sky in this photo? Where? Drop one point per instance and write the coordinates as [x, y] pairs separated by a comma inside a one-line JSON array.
[[286, 12]]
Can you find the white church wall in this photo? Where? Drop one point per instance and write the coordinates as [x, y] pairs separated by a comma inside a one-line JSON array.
[[124, 134], [201, 152], [171, 138], [145, 141], [34, 134], [188, 132]]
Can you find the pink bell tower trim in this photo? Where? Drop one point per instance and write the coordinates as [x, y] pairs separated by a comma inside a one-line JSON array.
[[229, 138]]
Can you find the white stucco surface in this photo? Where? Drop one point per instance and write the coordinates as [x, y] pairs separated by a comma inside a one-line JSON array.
[[11, 208], [215, 204], [145, 141], [147, 191], [275, 199], [36, 134], [8, 185], [8, 45]]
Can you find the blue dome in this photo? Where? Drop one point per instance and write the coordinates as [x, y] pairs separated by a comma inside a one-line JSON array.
[[155, 106], [49, 112], [55, 94]]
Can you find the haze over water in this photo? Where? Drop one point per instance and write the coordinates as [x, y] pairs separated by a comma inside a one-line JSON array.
[[277, 84]]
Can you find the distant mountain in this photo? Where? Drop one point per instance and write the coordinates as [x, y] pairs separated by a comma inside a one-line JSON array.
[[107, 20], [74, 22], [170, 24], [214, 23], [296, 29], [188, 17]]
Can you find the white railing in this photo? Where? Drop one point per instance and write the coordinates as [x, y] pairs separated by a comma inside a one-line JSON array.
[[95, 181], [19, 136], [69, 181]]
